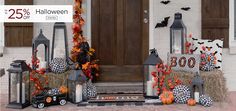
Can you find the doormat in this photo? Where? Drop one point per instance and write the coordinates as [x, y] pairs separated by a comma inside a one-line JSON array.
[[105, 98], [86, 104]]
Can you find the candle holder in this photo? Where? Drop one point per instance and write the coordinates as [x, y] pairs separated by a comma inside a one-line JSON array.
[[75, 83], [19, 88], [60, 25], [41, 39], [149, 64], [197, 83], [178, 33]]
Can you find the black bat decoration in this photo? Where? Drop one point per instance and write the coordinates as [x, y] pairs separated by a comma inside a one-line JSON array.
[[163, 23], [217, 67], [201, 52], [219, 61], [195, 49], [210, 40], [194, 39], [215, 52], [185, 8], [165, 2], [218, 45], [200, 43]]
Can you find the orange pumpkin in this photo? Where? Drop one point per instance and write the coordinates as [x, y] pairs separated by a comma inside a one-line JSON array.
[[167, 97], [191, 102], [63, 89]]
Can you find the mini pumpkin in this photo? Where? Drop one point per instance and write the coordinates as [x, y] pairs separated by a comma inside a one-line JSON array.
[[63, 89], [191, 102], [167, 97]]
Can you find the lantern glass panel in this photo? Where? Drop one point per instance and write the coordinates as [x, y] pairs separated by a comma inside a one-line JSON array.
[[148, 81], [13, 88], [17, 80], [176, 43], [25, 81]]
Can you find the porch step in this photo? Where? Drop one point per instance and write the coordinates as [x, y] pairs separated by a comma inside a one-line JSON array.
[[119, 88]]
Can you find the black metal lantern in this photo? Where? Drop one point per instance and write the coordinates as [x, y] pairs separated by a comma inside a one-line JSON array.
[[178, 34], [75, 83], [196, 87], [149, 64], [41, 39], [19, 87], [60, 25]]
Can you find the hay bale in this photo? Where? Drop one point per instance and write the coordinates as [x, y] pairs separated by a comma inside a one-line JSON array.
[[57, 80], [214, 83]]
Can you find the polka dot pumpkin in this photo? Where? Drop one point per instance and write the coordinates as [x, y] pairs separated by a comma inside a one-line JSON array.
[[181, 94], [58, 65], [207, 62], [205, 100], [89, 90]]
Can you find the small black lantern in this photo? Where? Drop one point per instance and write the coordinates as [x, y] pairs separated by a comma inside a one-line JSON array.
[[149, 64], [178, 33], [75, 86], [19, 88], [41, 39], [197, 85]]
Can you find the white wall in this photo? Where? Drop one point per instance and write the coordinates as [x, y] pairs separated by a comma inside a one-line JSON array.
[[1, 29], [191, 18], [159, 38]]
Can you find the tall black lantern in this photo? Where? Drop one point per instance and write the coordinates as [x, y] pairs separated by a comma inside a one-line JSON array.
[[60, 25], [149, 65], [19, 87], [41, 39], [75, 83], [178, 34]]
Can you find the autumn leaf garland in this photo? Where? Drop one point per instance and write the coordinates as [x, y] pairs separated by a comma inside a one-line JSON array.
[[81, 53]]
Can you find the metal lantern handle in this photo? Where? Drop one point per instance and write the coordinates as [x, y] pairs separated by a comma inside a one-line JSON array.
[[60, 25]]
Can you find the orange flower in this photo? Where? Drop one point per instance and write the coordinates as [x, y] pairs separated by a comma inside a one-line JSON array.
[[85, 66]]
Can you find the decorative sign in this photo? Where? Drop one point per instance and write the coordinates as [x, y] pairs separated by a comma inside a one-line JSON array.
[[36, 13], [184, 62]]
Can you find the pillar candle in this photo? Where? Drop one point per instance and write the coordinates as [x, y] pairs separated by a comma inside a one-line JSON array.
[[18, 93], [79, 93], [149, 88], [196, 96]]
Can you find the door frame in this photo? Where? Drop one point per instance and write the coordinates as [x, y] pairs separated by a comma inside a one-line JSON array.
[[88, 32]]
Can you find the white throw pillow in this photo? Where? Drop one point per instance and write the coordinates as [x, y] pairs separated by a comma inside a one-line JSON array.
[[211, 46]]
